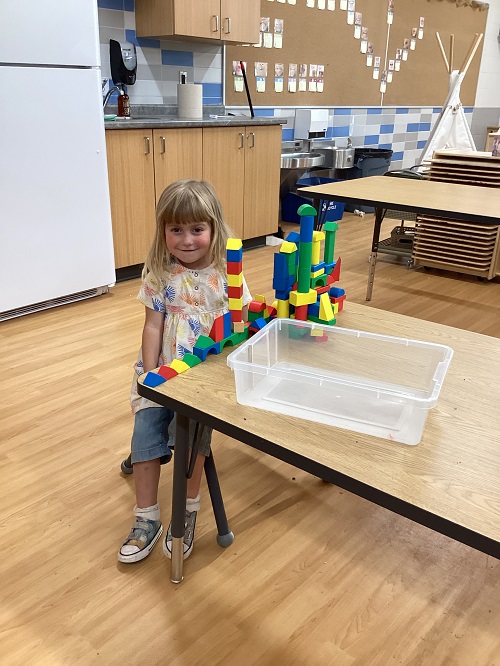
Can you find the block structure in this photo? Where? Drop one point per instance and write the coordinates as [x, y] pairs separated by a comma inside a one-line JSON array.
[[303, 280]]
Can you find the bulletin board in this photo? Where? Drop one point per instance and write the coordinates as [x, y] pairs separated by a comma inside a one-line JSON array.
[[317, 36]]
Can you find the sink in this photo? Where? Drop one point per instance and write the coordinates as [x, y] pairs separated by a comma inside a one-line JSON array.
[[301, 160]]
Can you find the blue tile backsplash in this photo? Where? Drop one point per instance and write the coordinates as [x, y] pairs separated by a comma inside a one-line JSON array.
[[159, 61]]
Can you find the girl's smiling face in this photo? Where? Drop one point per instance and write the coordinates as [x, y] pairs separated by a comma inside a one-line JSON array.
[[190, 244]]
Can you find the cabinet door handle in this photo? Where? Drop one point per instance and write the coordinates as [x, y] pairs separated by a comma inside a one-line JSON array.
[[148, 145], [216, 23], [228, 25], [242, 140], [163, 145], [252, 134]]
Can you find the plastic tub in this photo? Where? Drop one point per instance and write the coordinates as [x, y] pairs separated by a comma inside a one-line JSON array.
[[370, 383]]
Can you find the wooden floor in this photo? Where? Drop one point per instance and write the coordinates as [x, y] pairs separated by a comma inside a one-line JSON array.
[[315, 576]]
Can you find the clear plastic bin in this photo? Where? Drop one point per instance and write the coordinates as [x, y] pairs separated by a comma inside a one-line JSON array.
[[375, 384]]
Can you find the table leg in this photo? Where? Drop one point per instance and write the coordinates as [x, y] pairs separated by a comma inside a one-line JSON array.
[[379, 216], [179, 497]]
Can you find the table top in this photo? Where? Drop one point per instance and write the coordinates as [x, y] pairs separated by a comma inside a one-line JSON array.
[[476, 204], [449, 482]]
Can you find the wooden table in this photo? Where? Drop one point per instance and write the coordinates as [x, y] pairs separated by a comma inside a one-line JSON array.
[[470, 203], [449, 482]]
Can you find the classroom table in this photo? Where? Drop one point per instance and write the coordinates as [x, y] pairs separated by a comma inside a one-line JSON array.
[[470, 203], [449, 482]]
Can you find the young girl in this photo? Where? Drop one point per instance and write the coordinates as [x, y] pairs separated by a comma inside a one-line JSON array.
[[184, 289]]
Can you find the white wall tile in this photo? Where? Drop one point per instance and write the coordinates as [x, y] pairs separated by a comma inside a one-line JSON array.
[[207, 75]]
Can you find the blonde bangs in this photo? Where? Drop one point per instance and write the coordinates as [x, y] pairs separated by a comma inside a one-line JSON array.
[[187, 202]]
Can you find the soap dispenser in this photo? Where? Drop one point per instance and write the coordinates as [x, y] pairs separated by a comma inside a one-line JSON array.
[[123, 62]]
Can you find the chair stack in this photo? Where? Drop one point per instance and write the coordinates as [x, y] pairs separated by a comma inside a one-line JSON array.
[[455, 245]]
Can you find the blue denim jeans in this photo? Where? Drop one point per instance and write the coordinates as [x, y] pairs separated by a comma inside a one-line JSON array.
[[154, 433]]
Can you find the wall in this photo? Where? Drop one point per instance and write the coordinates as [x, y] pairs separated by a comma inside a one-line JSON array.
[[404, 130], [159, 61], [487, 104]]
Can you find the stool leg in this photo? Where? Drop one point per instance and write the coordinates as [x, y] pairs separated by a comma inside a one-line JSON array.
[[224, 535], [179, 497], [126, 465]]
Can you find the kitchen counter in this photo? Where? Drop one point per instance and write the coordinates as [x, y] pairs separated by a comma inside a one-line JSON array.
[[157, 121]]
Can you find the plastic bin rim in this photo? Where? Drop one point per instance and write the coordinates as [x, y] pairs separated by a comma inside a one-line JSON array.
[[232, 360]]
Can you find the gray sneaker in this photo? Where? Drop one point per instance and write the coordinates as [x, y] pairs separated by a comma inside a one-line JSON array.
[[141, 540], [189, 525]]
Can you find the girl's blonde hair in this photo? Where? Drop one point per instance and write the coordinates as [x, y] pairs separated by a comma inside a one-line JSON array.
[[184, 202]]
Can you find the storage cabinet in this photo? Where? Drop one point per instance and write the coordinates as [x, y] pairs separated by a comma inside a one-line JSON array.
[[242, 163], [177, 154], [248, 184], [132, 193], [236, 21]]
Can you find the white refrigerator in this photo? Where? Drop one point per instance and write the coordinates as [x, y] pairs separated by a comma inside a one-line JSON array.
[[56, 241]]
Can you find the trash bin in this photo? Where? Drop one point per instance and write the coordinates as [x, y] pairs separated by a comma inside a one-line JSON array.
[[368, 162], [330, 211]]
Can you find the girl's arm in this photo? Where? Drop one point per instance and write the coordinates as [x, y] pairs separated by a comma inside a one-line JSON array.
[[152, 339]]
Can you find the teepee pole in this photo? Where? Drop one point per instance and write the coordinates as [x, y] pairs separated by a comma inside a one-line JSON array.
[[472, 52], [447, 65]]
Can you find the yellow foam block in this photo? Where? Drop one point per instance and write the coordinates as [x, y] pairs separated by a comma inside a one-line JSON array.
[[282, 309], [234, 244], [235, 280], [325, 308], [179, 366], [297, 299], [235, 303], [335, 308], [318, 236], [288, 247], [259, 298], [316, 273]]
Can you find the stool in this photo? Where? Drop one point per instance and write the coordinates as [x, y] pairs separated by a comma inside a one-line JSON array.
[[224, 535]]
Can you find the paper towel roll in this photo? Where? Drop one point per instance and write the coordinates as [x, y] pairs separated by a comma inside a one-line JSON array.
[[189, 100]]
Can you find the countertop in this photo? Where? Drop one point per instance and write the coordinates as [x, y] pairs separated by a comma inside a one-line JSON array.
[[148, 122]]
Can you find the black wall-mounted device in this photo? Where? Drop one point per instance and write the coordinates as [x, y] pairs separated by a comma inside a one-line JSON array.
[[123, 61]]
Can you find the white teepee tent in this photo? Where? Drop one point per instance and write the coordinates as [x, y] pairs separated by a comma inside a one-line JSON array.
[[451, 129]]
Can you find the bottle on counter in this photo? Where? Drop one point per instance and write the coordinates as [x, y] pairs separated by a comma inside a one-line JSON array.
[[123, 105]]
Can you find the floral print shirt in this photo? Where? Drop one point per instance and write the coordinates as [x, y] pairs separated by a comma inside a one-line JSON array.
[[191, 301]]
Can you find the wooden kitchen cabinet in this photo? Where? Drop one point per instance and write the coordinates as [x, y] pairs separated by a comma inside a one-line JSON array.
[[177, 155], [262, 180], [236, 21], [248, 185], [132, 193], [141, 163], [242, 163]]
